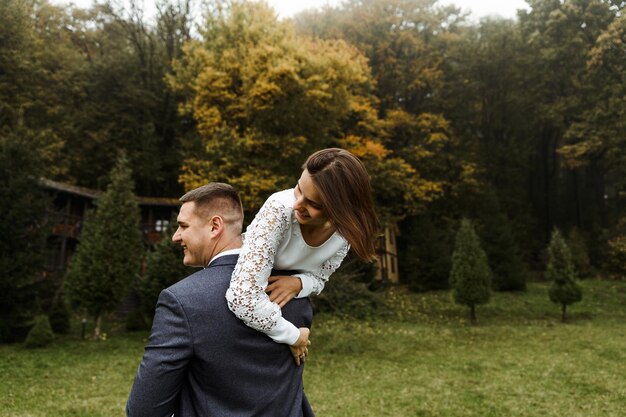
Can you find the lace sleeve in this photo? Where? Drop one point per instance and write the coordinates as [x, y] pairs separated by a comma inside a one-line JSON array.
[[246, 295], [314, 282]]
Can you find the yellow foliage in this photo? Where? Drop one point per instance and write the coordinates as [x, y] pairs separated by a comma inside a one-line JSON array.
[[364, 147], [574, 156]]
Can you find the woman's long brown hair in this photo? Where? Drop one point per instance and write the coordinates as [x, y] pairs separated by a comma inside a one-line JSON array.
[[346, 194]]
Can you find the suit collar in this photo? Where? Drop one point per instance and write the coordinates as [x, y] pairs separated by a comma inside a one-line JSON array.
[[224, 260]]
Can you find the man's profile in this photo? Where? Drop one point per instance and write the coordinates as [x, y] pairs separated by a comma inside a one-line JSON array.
[[200, 359]]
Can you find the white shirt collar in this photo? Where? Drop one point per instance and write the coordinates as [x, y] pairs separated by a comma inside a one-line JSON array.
[[235, 251]]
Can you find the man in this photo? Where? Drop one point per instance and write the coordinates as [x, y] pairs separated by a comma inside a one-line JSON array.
[[200, 359]]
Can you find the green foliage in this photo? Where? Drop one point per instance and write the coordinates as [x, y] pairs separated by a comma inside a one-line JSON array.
[[499, 242], [403, 40], [616, 257], [135, 321], [561, 272], [346, 295], [424, 253], [614, 244], [60, 316], [437, 106], [470, 276], [509, 270], [164, 267], [41, 334], [580, 254], [110, 250], [23, 231], [254, 88]]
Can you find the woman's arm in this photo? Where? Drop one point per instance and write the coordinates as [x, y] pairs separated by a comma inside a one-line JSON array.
[[284, 288], [314, 282], [246, 295]]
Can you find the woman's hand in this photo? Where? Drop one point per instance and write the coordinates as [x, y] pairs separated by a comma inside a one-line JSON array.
[[283, 288], [300, 349]]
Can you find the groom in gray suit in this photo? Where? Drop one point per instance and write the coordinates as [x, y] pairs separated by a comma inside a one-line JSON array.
[[200, 359]]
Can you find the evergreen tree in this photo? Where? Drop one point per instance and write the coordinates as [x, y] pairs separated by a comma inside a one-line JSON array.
[[509, 270], [110, 250], [41, 334], [561, 272], [22, 233], [60, 316], [424, 253], [580, 253], [470, 277], [164, 268]]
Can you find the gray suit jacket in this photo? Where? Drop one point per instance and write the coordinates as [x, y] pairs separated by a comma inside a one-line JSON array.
[[201, 360]]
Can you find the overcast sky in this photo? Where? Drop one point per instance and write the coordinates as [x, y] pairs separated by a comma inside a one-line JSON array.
[[287, 8], [478, 8]]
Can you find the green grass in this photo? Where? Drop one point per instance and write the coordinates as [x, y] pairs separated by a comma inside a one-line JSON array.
[[424, 360]]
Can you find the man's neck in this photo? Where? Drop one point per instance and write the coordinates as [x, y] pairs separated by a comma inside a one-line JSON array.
[[234, 243], [230, 245]]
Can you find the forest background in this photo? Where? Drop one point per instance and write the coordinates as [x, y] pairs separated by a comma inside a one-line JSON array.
[[517, 124]]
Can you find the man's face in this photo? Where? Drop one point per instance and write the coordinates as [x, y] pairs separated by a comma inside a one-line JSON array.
[[194, 235]]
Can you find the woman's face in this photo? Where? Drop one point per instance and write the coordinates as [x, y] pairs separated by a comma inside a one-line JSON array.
[[308, 206]]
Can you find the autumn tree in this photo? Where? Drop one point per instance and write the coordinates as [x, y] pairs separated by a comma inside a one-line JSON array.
[[110, 250], [404, 41], [470, 276], [561, 272], [264, 98]]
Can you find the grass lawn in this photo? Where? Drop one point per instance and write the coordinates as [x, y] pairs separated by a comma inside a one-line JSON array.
[[424, 360]]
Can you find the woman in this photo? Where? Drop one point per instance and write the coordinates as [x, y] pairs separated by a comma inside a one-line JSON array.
[[309, 228]]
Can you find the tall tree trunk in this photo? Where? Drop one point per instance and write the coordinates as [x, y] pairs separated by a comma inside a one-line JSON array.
[[563, 309]]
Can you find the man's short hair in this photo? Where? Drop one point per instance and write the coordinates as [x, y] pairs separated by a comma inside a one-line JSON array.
[[217, 198]]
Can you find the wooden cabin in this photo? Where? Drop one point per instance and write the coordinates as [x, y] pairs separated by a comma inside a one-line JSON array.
[[67, 213], [388, 255]]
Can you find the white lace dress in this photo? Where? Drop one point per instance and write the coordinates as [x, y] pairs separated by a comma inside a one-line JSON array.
[[274, 240]]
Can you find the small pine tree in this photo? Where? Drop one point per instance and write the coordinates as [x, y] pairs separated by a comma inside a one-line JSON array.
[[41, 334], [23, 205], [164, 267], [561, 272], [470, 276], [110, 250]]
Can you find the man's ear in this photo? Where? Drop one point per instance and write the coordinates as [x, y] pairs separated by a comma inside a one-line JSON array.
[[217, 225]]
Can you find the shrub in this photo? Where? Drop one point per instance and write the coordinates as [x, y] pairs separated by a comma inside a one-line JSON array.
[[616, 256], [135, 321], [343, 295], [505, 260], [424, 249], [580, 254], [41, 334], [60, 316]]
